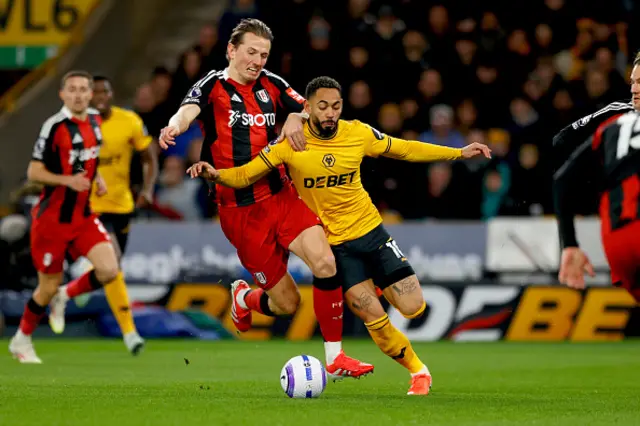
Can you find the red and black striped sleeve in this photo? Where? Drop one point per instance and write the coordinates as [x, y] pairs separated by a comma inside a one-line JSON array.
[[200, 93], [288, 98]]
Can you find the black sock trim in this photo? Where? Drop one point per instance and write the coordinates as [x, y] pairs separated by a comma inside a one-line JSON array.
[[264, 305], [33, 306], [327, 284], [93, 280]]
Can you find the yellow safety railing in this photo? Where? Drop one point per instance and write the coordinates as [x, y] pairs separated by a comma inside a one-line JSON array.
[[10, 98]]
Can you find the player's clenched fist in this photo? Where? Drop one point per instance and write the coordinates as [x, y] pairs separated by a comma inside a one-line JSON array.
[[203, 169], [168, 136], [474, 149]]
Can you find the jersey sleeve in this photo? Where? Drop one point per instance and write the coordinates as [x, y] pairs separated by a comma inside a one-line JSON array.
[[570, 138], [377, 143], [567, 179], [200, 93], [288, 98], [140, 137], [269, 158], [44, 149]]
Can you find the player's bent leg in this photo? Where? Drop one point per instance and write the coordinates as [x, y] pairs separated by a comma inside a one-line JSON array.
[[105, 262], [405, 294], [118, 299], [279, 299], [312, 247], [105, 270], [284, 297], [21, 345], [364, 303]]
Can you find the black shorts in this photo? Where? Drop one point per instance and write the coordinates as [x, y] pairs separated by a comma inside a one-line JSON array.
[[373, 256], [118, 225]]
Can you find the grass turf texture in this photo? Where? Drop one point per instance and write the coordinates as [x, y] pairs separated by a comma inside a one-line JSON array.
[[96, 382]]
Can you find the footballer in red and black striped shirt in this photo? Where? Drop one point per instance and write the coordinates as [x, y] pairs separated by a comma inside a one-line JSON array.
[[65, 161], [238, 121], [237, 107], [609, 162]]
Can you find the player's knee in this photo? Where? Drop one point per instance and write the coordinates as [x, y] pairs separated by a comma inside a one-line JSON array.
[[108, 273], [413, 308], [289, 306], [325, 267], [374, 313]]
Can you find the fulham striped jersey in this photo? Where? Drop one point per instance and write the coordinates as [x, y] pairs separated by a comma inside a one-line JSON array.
[[238, 121], [66, 146]]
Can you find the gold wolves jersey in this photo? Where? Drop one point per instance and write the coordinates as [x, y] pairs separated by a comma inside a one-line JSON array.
[[122, 133], [327, 173]]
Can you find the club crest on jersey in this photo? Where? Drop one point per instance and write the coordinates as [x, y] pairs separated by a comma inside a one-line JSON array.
[[261, 278], [328, 160], [263, 96]]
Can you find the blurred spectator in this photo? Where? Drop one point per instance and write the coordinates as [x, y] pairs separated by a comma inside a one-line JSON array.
[[530, 182], [236, 11], [442, 131], [359, 103], [184, 141], [186, 75], [497, 180], [211, 49], [144, 104], [467, 116], [177, 196]]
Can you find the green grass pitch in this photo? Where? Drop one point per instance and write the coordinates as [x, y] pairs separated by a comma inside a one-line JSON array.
[[96, 382]]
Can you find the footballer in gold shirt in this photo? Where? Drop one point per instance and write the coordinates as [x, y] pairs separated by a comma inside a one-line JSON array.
[[327, 177], [123, 134]]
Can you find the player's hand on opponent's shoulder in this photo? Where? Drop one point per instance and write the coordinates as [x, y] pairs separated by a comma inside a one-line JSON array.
[[573, 264], [293, 130], [101, 186], [168, 136], [79, 182], [474, 149], [203, 169]]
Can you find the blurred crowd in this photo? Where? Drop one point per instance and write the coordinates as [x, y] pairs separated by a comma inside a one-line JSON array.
[[509, 74]]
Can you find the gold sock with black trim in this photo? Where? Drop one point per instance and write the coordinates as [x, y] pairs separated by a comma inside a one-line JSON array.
[[394, 344], [116, 293]]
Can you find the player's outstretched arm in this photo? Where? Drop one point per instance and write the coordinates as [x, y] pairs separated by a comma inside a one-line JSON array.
[[240, 177], [235, 177], [178, 124], [415, 151], [37, 172]]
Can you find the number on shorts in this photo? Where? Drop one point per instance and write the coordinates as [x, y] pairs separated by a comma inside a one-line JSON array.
[[396, 250], [101, 227]]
